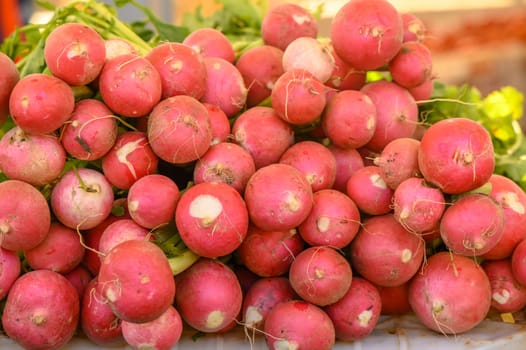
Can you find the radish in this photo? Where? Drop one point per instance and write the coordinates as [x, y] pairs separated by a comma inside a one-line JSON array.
[[75, 53], [395, 300], [25, 217], [79, 277], [334, 220], [152, 200], [212, 219], [311, 55], [118, 231], [269, 253], [348, 160], [285, 22], [246, 277], [82, 198], [90, 132], [97, 320], [349, 121], [263, 134], [10, 269], [225, 162], [278, 197], [37, 159], [518, 262], [41, 310], [118, 46], [396, 112], [130, 85], [182, 69], [40, 103], [414, 27], [368, 190], [162, 333], [367, 34], [423, 91], [9, 76], [477, 235], [61, 250], [507, 294], [398, 161], [344, 76], [320, 275], [261, 297], [136, 280], [451, 295], [314, 160], [357, 313], [417, 206], [179, 129], [260, 67], [412, 66], [297, 324], [298, 97], [219, 124], [209, 296], [384, 252], [210, 42], [456, 155]]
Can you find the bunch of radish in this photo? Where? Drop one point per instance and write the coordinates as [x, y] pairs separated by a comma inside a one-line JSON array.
[[277, 189]]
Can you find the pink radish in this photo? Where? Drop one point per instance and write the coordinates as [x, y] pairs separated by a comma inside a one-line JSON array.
[[79, 277], [10, 269], [423, 91], [9, 76], [24, 222], [212, 219], [210, 42], [344, 76], [518, 262], [219, 124], [118, 231], [395, 300], [507, 294], [310, 54], [118, 46], [348, 160], [414, 27], [412, 66], [398, 161], [451, 295], [368, 190], [456, 155]]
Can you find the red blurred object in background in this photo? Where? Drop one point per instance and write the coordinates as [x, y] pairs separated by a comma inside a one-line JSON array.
[[10, 17]]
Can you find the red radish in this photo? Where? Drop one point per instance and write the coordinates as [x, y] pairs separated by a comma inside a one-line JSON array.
[[398, 161], [357, 313], [179, 129], [9, 76], [263, 134], [423, 91], [368, 190], [225, 86], [349, 121], [118, 231], [246, 277], [219, 124], [130, 85], [518, 262], [82, 198], [209, 296], [91, 130], [507, 294], [368, 155], [212, 219], [418, 206], [298, 97], [60, 251], [451, 295], [456, 155], [297, 324], [75, 53], [37, 159], [41, 310], [40, 103], [396, 113], [412, 66], [285, 22], [24, 222], [79, 277], [118, 46], [348, 160], [314, 160], [269, 253], [182, 69], [261, 297], [334, 220], [260, 67], [97, 320], [367, 34], [320, 275], [395, 300], [210, 42], [472, 225], [384, 252], [311, 55], [513, 202], [414, 27], [162, 333], [225, 162], [343, 76], [10, 269], [136, 280], [278, 197]]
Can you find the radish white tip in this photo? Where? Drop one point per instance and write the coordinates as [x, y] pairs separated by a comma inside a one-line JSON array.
[[206, 207], [214, 319]]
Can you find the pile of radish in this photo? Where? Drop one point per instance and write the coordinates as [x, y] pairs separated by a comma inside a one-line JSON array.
[[276, 189]]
